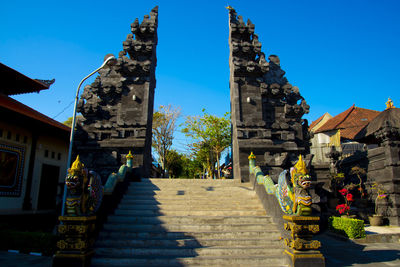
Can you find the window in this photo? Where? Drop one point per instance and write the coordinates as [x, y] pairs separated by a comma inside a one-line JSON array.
[[17, 137], [46, 153], [9, 135], [1, 133], [53, 154], [59, 156], [25, 139]]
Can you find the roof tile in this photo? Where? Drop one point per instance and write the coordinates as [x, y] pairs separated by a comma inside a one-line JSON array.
[[350, 122]]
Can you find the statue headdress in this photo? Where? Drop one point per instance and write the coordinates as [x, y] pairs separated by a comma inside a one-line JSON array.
[[298, 169], [76, 167], [129, 156]]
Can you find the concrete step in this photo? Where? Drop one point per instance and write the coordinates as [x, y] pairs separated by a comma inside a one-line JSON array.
[[227, 212], [190, 206], [218, 198], [188, 252], [203, 193], [177, 181], [254, 261], [188, 184], [171, 186], [189, 201], [270, 234], [184, 227], [189, 219], [186, 243], [170, 222]]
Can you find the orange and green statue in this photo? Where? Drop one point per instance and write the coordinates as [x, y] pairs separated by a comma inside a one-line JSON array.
[[293, 196], [84, 190]]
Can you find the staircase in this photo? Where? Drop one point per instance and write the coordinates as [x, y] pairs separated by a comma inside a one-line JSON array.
[[185, 222]]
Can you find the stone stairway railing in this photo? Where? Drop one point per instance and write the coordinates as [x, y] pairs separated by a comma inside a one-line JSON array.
[[297, 231], [77, 233]]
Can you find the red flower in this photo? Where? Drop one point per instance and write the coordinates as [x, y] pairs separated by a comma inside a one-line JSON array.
[[342, 208], [344, 191], [349, 197]]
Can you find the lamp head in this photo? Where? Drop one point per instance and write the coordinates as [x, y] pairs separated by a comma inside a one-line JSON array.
[[110, 60]]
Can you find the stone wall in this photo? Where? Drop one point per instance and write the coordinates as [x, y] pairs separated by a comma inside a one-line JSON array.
[[117, 107], [382, 165], [266, 110], [384, 169]]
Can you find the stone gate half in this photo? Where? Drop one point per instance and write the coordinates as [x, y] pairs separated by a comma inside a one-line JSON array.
[[266, 110], [117, 107]]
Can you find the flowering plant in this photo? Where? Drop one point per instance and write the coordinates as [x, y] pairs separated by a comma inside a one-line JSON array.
[[348, 198], [342, 208]]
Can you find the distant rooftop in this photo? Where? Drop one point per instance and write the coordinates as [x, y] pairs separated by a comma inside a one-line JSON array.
[[315, 125], [350, 122], [14, 82]]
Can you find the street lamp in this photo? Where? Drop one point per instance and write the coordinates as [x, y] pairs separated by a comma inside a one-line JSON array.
[[108, 59]]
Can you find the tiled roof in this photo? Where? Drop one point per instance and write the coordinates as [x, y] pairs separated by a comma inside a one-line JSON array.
[[387, 117], [315, 123], [350, 122], [14, 82], [13, 105], [312, 125]]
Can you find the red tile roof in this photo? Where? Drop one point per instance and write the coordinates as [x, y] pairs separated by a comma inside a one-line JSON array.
[[350, 122], [13, 105], [314, 123]]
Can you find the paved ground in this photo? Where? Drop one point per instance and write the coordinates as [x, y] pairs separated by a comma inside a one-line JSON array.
[[8, 259], [338, 252]]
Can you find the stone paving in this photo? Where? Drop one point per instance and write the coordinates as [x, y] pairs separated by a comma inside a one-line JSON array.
[[363, 252], [11, 259], [338, 252]]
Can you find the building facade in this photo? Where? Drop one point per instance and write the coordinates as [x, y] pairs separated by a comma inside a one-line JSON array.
[[33, 150]]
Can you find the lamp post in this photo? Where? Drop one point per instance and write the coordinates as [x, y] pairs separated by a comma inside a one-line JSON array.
[[108, 59]]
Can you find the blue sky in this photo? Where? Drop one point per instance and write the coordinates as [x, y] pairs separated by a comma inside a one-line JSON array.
[[338, 53]]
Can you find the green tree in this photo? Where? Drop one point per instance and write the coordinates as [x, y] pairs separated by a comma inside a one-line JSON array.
[[192, 167], [211, 135], [164, 126], [68, 122], [181, 166], [174, 163]]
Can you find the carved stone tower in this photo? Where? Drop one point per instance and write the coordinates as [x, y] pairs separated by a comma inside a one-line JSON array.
[[266, 110], [117, 107]]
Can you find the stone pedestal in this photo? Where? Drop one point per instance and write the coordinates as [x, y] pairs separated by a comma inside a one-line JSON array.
[[76, 241], [300, 248]]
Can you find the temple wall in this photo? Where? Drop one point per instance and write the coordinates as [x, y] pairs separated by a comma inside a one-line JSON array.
[[118, 106], [266, 110]]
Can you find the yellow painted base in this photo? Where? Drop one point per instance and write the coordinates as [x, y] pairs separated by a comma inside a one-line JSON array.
[[72, 259], [305, 258]]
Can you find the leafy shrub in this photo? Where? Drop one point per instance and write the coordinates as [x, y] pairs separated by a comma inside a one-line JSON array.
[[351, 228]]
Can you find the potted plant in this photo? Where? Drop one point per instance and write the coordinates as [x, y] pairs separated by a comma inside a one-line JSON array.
[[381, 195]]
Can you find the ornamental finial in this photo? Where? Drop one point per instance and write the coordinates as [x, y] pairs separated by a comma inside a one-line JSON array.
[[300, 166], [389, 104], [229, 7], [252, 156], [129, 156], [77, 166]]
